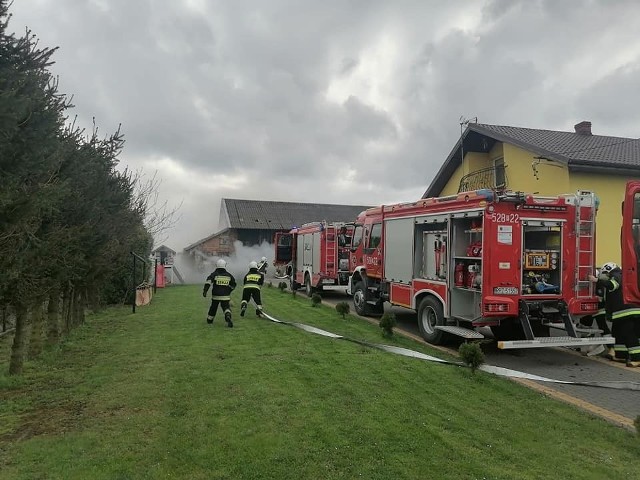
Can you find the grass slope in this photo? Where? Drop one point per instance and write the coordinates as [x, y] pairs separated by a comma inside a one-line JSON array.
[[161, 394]]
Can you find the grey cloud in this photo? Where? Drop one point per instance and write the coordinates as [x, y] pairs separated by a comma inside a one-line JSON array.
[[348, 64], [496, 9], [241, 86], [598, 99]]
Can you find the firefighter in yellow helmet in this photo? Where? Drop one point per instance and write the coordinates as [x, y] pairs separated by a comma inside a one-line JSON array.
[[623, 317], [222, 284], [252, 282]]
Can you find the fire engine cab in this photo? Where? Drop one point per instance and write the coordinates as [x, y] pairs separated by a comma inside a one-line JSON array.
[[514, 262], [315, 255]]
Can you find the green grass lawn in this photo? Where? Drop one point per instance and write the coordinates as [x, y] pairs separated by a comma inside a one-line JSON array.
[[161, 394]]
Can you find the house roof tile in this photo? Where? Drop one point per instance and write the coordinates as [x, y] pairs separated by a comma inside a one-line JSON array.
[[577, 151], [570, 147]]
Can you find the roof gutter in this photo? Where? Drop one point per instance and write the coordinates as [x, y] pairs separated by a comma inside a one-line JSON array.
[[605, 168]]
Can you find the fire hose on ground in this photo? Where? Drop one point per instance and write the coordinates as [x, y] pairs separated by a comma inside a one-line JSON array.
[[500, 371]]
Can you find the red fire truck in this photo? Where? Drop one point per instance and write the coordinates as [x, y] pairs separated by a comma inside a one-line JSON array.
[[514, 262], [315, 255], [631, 243]]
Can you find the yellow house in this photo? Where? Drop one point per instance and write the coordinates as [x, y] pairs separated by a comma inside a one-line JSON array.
[[547, 162]]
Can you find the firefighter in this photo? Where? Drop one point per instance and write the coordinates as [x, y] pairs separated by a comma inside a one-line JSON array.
[[342, 237], [222, 284], [262, 266], [252, 282], [600, 316], [623, 317]]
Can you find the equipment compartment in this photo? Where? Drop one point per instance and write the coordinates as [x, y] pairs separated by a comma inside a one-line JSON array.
[[541, 258]]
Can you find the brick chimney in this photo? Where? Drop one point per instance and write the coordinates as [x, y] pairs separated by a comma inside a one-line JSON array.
[[583, 128]]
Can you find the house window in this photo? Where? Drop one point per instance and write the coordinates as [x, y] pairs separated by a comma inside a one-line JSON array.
[[224, 241], [499, 173]]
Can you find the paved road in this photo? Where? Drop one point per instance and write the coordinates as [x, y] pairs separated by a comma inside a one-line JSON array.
[[618, 406]]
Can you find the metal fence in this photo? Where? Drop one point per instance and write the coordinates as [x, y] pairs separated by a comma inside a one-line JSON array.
[[484, 178]]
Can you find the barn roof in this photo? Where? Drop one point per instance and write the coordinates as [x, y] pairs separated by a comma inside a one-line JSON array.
[[270, 215], [277, 216]]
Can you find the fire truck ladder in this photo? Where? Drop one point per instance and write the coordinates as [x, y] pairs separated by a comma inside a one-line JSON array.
[[585, 243], [330, 249]]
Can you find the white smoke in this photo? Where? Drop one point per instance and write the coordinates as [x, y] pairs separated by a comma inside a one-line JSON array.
[[185, 266], [196, 272]]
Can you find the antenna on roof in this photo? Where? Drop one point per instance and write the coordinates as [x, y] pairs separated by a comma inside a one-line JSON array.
[[464, 122], [467, 121]]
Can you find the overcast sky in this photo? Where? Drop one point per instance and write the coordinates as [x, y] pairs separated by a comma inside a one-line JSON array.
[[353, 101]]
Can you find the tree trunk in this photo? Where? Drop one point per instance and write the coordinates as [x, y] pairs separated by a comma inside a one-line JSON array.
[[66, 310], [19, 341], [37, 327], [73, 308], [53, 313], [83, 304], [4, 318]]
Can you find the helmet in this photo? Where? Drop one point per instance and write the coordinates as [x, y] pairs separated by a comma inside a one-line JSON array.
[[253, 265], [263, 259], [609, 267], [221, 263]]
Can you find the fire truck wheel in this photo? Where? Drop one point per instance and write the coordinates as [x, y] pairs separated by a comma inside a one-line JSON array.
[[430, 315], [307, 286], [360, 299]]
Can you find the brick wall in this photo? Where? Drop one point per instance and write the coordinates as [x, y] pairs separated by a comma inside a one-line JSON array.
[[220, 245]]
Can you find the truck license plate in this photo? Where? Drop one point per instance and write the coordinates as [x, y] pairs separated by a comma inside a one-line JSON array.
[[505, 290]]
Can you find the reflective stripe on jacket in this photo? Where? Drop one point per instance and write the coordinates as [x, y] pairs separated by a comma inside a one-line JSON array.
[[222, 284], [627, 312], [612, 293], [253, 279]]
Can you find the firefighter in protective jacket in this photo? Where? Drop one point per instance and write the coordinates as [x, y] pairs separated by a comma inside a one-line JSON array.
[[623, 317], [262, 266], [601, 315], [222, 284], [253, 280]]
